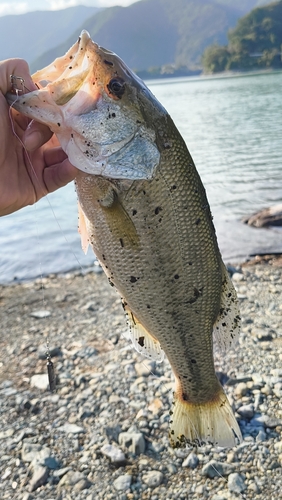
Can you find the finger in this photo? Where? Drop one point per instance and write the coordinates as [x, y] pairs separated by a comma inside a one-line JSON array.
[[36, 135], [16, 67], [52, 156], [59, 175]]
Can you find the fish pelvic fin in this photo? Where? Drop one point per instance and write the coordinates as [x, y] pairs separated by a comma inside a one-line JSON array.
[[141, 339], [210, 422], [82, 229], [228, 323]]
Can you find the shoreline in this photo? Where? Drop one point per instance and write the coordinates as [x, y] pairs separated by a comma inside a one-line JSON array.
[[104, 433]]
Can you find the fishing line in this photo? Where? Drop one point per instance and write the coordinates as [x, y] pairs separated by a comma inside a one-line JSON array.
[[14, 81]]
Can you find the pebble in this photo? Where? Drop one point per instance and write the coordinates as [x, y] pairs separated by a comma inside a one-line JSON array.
[[133, 441], [215, 468], [114, 453], [40, 314], [40, 381], [107, 398], [39, 478], [191, 461], [71, 428], [153, 478], [236, 483], [123, 482]]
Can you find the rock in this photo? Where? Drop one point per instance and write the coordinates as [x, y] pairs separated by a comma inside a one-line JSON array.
[[112, 433], [71, 478], [82, 484], [40, 381], [191, 461], [145, 368], [153, 478], [272, 422], [236, 483], [61, 472], [7, 433], [40, 314], [123, 483], [29, 451], [241, 389], [114, 453], [43, 457], [271, 216], [39, 478], [246, 411], [71, 428], [27, 496], [238, 277], [134, 441], [214, 468]]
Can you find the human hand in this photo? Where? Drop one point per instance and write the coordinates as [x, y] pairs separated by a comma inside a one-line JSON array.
[[35, 165]]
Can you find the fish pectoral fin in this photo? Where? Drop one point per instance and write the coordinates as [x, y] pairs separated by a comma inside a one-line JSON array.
[[227, 326], [82, 229], [209, 422], [141, 339]]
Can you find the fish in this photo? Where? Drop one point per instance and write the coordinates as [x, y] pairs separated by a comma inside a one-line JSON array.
[[144, 210]]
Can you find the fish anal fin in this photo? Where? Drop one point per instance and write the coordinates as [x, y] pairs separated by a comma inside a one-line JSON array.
[[210, 422], [141, 339], [227, 326], [82, 229]]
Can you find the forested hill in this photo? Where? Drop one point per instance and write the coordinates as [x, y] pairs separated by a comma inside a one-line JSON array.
[[162, 35], [255, 43]]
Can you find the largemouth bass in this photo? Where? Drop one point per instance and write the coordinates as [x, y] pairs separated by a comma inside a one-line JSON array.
[[144, 210]]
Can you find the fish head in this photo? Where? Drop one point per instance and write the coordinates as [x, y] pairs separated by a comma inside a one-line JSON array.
[[103, 115]]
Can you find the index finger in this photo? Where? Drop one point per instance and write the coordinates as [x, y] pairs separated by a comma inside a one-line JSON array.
[[16, 67]]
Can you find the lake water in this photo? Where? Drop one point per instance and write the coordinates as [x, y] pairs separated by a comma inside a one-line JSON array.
[[233, 129]]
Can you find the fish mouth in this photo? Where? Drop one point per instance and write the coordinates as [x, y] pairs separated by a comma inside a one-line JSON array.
[[86, 97]]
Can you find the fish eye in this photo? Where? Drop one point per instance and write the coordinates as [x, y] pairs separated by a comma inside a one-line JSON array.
[[116, 86]]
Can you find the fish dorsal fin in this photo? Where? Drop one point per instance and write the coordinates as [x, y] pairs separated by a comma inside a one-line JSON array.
[[82, 229], [227, 326], [142, 340]]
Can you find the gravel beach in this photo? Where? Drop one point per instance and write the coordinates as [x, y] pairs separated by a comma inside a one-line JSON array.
[[104, 433]]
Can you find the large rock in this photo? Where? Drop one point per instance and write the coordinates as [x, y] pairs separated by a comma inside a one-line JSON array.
[[271, 216]]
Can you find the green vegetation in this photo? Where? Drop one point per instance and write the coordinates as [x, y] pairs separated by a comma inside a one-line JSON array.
[[255, 43]]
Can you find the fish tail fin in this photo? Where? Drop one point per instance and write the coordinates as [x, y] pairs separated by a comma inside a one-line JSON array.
[[210, 422]]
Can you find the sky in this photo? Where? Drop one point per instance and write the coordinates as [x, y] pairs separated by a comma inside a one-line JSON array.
[[22, 6]]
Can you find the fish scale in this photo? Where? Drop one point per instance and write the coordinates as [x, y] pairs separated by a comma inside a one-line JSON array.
[[144, 210]]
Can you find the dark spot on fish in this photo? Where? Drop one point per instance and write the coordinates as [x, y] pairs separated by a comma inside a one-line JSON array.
[[157, 210], [193, 361], [174, 186], [144, 192], [70, 57], [121, 242], [103, 257], [134, 212], [148, 306], [160, 220], [108, 62], [176, 276], [72, 135], [133, 279], [58, 124], [70, 67], [172, 431], [141, 341], [138, 121], [116, 87], [110, 282], [184, 396], [223, 324], [113, 115], [190, 263], [198, 222]]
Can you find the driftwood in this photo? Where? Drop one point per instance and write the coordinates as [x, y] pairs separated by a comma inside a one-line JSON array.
[[271, 216]]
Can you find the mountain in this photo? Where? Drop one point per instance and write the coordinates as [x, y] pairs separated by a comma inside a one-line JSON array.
[[255, 43], [30, 35], [156, 32]]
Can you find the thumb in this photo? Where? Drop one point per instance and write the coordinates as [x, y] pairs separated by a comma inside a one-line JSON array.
[[36, 135]]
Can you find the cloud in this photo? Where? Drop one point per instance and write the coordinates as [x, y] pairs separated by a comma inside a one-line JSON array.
[[7, 8]]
